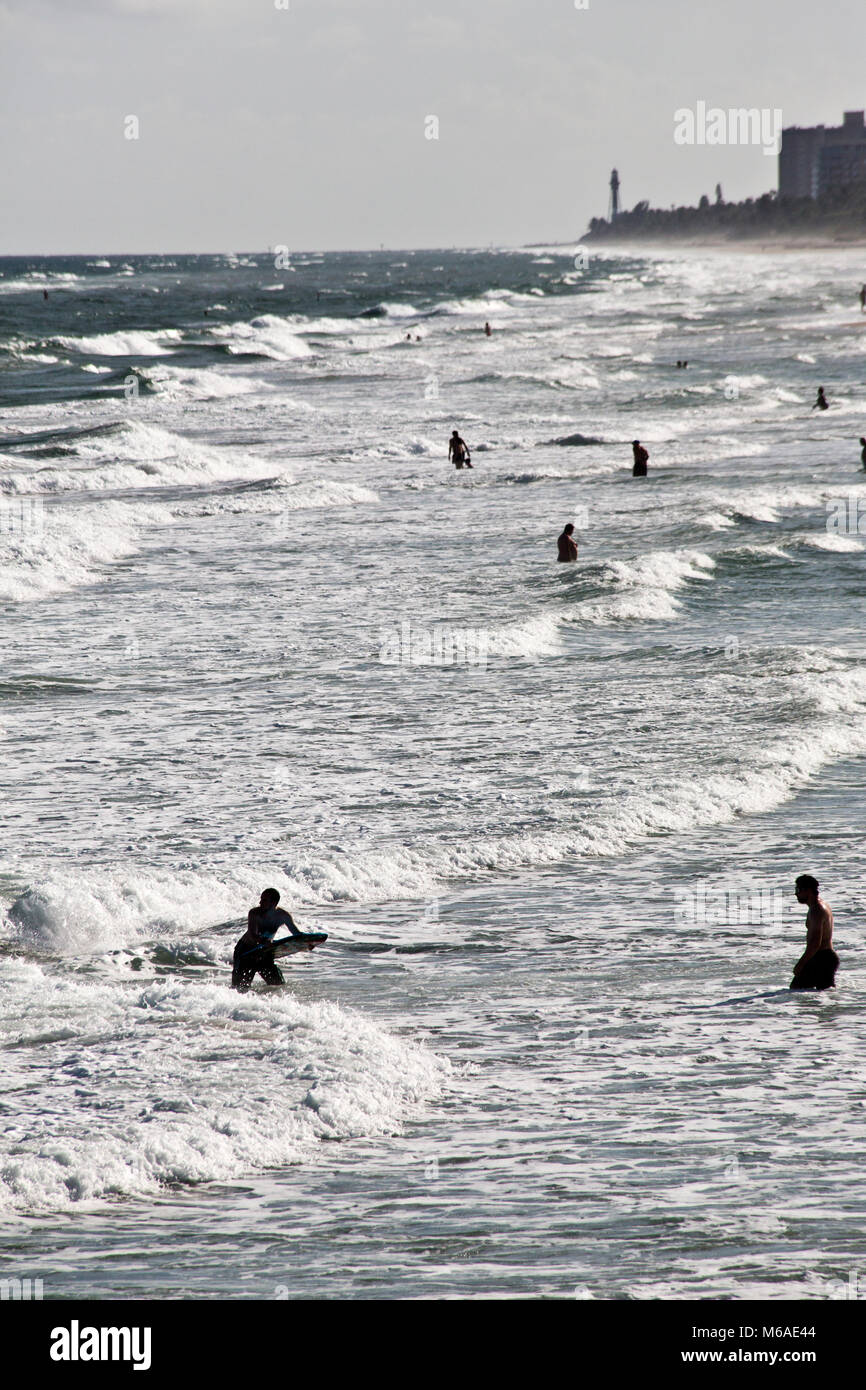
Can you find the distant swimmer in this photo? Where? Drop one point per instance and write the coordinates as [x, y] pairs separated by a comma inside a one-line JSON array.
[[487, 329], [641, 459], [254, 953], [458, 450], [566, 546], [862, 298], [44, 294], [863, 451], [817, 966], [821, 403]]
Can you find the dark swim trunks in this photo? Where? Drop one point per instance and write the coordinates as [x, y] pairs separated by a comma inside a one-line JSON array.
[[819, 972], [249, 963]]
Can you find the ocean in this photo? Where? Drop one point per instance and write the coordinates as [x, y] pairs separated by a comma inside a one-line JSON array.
[[257, 631]]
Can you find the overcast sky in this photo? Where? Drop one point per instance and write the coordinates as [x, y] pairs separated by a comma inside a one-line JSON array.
[[305, 126]]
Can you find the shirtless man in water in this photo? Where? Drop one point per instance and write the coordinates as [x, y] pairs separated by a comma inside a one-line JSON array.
[[254, 952], [817, 966], [567, 545], [458, 449]]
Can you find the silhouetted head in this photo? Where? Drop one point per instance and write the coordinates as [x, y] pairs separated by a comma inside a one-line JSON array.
[[635, 443], [863, 441], [269, 898], [806, 887], [455, 433], [568, 529]]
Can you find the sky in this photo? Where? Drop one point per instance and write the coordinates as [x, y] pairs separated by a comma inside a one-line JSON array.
[[308, 123]]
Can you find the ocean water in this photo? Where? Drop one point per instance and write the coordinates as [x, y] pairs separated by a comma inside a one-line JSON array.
[[257, 631]]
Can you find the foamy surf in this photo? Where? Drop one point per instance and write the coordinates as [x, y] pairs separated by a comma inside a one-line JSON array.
[[55, 550], [115, 1114], [127, 455], [643, 588]]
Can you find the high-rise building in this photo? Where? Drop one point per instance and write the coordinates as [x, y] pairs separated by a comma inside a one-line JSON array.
[[813, 160]]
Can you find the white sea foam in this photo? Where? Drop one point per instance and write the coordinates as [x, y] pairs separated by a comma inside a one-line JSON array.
[[39, 280], [399, 311], [830, 540], [133, 455], [116, 1115], [69, 548], [200, 383], [124, 344], [285, 495], [527, 637], [818, 709], [269, 335], [643, 588], [716, 521]]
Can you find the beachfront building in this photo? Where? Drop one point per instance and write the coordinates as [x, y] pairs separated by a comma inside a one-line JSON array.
[[818, 159]]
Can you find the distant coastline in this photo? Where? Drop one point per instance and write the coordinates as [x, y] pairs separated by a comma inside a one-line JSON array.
[[836, 221], [746, 244]]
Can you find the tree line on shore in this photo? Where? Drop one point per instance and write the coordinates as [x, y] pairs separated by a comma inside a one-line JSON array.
[[840, 211]]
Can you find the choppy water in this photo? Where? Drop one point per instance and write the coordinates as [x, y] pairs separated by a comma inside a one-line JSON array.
[[550, 1031]]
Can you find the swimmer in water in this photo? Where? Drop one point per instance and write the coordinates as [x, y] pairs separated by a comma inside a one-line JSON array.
[[641, 459], [254, 954], [863, 451], [821, 403], [458, 450], [817, 966], [566, 545], [487, 329]]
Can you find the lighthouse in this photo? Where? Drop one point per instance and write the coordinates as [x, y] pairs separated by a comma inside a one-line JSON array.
[[613, 207]]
